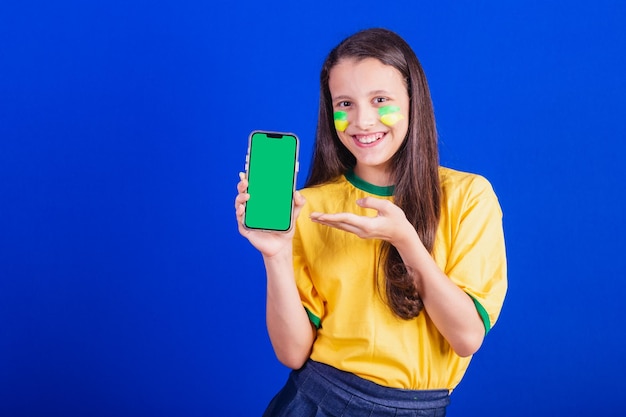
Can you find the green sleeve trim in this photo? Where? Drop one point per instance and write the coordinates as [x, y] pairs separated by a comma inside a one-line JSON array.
[[483, 314], [314, 319]]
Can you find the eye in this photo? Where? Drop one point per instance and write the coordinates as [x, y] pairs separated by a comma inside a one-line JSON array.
[[379, 100], [344, 103]]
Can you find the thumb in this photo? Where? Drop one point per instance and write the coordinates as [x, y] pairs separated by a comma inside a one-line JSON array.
[[377, 204], [298, 202]]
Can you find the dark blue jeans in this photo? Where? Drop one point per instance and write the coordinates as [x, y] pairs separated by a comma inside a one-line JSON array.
[[323, 391]]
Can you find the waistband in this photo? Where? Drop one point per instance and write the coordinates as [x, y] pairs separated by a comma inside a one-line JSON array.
[[368, 390]]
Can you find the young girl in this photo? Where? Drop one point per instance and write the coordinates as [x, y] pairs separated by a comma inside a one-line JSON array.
[[396, 267]]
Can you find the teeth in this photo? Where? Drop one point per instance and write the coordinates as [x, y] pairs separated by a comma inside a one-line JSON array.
[[368, 138]]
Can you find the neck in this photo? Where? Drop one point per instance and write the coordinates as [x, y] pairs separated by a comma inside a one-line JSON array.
[[374, 175]]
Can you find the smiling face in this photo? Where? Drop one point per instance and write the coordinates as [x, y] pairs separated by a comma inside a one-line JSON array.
[[375, 101]]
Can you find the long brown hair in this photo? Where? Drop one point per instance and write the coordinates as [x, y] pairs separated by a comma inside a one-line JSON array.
[[415, 166]]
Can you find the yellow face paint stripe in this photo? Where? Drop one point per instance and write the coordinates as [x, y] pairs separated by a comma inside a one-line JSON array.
[[390, 115]]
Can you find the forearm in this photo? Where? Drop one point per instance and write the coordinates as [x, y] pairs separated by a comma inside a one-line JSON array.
[[288, 325], [452, 311]]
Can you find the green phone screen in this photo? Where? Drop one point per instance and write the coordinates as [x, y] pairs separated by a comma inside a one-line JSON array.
[[272, 163]]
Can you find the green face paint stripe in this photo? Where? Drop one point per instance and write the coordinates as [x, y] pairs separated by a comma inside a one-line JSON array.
[[341, 116], [388, 110]]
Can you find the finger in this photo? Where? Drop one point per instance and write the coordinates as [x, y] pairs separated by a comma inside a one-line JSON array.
[[241, 199], [346, 227], [240, 211], [337, 219], [298, 199], [240, 207], [298, 202], [242, 230], [242, 185], [377, 204]]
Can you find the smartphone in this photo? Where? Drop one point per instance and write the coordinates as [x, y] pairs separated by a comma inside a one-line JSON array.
[[271, 167]]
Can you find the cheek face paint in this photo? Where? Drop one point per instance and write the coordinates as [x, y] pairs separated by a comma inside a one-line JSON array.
[[341, 120], [390, 115]]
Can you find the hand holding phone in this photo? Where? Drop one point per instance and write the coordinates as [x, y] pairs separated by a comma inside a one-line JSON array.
[[271, 167]]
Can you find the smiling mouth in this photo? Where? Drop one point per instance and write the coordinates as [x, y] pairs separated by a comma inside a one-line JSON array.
[[368, 139]]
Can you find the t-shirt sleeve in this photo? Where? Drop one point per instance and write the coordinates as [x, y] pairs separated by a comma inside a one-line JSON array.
[[477, 258], [311, 300]]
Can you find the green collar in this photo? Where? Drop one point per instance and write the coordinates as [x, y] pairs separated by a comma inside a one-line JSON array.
[[367, 187]]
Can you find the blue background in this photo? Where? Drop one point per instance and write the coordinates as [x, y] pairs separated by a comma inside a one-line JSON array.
[[125, 288]]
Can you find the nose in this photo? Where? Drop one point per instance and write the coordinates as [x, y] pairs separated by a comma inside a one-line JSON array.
[[365, 117]]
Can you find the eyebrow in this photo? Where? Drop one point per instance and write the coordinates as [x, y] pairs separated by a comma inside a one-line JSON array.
[[340, 98], [371, 93]]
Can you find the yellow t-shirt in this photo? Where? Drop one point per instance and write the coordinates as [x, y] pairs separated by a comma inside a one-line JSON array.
[[336, 276]]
